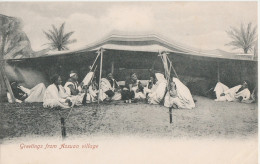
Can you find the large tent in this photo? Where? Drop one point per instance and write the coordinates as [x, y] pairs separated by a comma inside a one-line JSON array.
[[198, 69]]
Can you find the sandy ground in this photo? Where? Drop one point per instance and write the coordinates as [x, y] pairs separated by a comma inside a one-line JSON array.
[[208, 119]]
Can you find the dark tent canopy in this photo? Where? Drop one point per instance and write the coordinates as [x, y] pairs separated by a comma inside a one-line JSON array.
[[199, 70]]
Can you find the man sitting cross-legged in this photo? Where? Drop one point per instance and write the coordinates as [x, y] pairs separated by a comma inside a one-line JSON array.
[[110, 90], [56, 96], [73, 88]]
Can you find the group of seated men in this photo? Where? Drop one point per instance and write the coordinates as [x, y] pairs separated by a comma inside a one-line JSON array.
[[157, 91]]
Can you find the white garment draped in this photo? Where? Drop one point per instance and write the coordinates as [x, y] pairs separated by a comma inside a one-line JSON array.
[[138, 95], [35, 94], [78, 98], [158, 90], [92, 93], [56, 98], [105, 86], [76, 86], [230, 93], [183, 99], [88, 78]]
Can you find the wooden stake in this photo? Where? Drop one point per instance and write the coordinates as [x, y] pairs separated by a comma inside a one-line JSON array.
[[170, 112], [63, 128]]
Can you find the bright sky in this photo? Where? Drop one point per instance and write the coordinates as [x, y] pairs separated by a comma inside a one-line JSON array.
[[196, 24]]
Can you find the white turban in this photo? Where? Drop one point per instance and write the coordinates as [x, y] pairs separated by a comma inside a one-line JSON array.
[[72, 74]]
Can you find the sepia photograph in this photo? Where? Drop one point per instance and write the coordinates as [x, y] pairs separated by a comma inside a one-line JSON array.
[[129, 82]]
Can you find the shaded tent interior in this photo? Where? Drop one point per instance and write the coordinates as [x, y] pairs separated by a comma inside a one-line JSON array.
[[198, 71]]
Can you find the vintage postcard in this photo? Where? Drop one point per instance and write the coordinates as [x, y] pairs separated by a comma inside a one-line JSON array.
[[129, 82]]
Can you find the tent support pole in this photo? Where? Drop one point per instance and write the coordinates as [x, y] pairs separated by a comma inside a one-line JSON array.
[[112, 66], [172, 67], [100, 72], [218, 73], [95, 61], [7, 83]]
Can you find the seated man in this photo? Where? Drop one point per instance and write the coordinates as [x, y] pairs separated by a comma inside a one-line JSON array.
[[73, 88], [28, 95], [133, 89], [110, 90], [178, 96], [91, 88], [238, 93], [158, 90], [56, 96], [149, 86]]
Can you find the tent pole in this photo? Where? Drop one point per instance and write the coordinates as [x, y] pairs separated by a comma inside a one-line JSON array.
[[100, 72], [95, 61], [218, 73], [7, 83], [172, 67], [112, 67]]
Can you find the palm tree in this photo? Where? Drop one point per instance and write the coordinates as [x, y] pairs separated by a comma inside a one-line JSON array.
[[243, 38], [59, 40]]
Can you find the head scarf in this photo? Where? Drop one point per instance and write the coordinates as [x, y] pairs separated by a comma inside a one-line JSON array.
[[184, 93]]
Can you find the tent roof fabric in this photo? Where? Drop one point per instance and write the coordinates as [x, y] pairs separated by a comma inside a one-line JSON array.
[[150, 43]]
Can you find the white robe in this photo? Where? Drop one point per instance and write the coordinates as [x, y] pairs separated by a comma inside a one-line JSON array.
[[183, 99], [92, 93], [105, 86], [56, 98], [138, 95], [35, 94], [66, 87], [158, 90], [78, 98], [230, 94]]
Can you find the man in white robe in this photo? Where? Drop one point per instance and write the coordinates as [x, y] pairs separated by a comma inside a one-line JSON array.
[[238, 93], [56, 96], [109, 88], [73, 88], [89, 84], [149, 86], [158, 90], [28, 95], [178, 96]]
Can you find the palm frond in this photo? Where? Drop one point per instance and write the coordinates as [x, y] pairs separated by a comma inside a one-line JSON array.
[[67, 36], [242, 38], [70, 41], [61, 31], [55, 30], [49, 36], [57, 37]]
